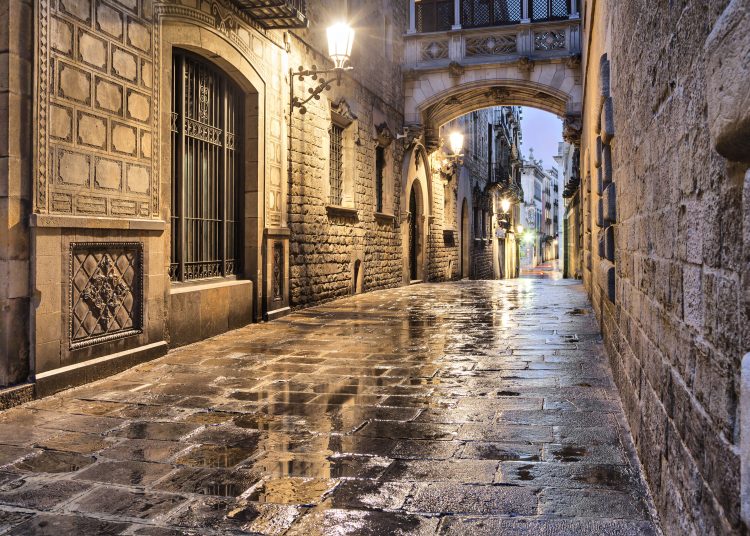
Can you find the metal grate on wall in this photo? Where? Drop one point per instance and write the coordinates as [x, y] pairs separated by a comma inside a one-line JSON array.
[[206, 185], [549, 9], [479, 13], [434, 15], [336, 173], [379, 170]]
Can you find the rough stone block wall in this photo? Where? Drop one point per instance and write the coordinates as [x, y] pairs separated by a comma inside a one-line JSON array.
[[443, 246], [678, 326], [325, 244], [481, 260]]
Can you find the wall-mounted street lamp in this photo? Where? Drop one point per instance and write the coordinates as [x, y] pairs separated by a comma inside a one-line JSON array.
[[456, 141], [340, 41], [504, 216], [455, 159]]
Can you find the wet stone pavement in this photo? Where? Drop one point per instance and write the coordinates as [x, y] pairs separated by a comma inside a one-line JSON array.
[[481, 408]]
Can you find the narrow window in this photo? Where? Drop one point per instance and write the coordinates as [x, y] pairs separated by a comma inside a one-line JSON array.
[[206, 173], [336, 176], [379, 170]]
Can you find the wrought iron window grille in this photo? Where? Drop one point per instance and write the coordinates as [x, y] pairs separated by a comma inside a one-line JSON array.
[[206, 172]]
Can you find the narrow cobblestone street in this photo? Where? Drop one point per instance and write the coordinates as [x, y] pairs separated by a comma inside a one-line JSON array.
[[454, 408]]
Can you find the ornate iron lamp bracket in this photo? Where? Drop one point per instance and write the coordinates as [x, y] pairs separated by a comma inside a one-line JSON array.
[[323, 85]]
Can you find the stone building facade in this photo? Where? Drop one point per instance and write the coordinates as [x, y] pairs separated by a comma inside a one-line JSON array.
[[665, 205], [488, 172], [159, 187], [106, 262]]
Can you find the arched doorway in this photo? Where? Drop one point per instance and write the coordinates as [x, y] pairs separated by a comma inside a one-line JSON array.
[[465, 239], [416, 246]]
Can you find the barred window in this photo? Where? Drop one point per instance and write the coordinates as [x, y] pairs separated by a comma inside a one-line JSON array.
[[206, 180], [478, 13], [549, 9], [379, 171], [434, 15], [336, 173]]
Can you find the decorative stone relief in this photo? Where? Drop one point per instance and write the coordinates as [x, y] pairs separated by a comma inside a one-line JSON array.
[[106, 292], [278, 271], [498, 94], [96, 101], [456, 70], [383, 135], [491, 45], [433, 50], [525, 64], [549, 40]]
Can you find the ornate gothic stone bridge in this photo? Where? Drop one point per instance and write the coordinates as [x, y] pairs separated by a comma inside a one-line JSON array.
[[523, 58]]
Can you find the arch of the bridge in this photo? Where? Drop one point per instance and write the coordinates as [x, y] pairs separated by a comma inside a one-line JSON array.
[[443, 106], [461, 100]]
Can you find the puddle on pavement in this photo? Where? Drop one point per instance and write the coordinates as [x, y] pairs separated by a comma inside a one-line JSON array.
[[577, 312], [249, 396], [508, 393], [524, 472], [215, 456], [207, 417], [50, 461], [604, 475], [569, 453], [292, 491]]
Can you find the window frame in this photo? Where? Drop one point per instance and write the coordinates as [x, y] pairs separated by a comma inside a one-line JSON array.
[[224, 148]]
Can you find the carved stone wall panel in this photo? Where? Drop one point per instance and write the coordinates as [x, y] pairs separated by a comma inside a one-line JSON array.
[[97, 108], [106, 292]]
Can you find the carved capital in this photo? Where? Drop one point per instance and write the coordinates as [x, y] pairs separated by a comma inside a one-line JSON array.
[[383, 135], [573, 61], [526, 64], [455, 69], [572, 129]]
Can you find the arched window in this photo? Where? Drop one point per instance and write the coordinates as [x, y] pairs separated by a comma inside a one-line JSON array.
[[206, 171]]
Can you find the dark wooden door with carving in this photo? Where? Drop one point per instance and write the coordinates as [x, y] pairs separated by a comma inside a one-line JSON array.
[[413, 236]]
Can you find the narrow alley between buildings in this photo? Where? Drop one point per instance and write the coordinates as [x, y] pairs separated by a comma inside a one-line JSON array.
[[470, 407]]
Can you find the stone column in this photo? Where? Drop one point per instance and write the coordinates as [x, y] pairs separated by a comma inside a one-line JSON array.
[[16, 153], [574, 13], [456, 15], [412, 17], [525, 15]]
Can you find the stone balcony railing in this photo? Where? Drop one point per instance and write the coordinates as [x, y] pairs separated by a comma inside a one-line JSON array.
[[524, 42]]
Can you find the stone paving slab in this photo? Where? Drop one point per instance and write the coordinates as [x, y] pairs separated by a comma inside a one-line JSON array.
[[455, 408]]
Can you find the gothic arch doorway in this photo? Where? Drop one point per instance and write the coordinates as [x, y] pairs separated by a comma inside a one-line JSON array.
[[416, 231], [465, 240]]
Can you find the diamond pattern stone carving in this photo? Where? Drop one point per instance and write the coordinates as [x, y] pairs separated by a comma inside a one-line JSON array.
[[491, 45], [106, 292], [434, 50], [551, 40]]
